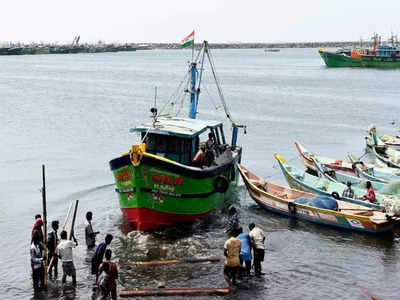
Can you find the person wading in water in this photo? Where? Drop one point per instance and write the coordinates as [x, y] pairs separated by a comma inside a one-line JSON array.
[[52, 240], [90, 234], [258, 239]]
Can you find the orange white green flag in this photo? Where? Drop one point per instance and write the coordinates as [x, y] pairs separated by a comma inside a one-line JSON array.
[[188, 41]]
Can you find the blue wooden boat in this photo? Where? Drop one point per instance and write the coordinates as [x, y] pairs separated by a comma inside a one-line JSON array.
[[301, 180], [298, 204]]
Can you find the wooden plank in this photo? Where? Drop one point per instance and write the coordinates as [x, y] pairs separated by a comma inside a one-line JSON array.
[[175, 292], [170, 262]]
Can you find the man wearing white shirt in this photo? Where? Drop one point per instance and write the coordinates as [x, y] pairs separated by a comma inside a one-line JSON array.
[[64, 251], [257, 238]]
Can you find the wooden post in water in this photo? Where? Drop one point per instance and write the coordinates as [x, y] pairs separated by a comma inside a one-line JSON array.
[[46, 275], [71, 233]]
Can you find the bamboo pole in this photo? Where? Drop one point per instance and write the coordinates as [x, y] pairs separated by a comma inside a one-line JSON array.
[[46, 275], [71, 233], [63, 228], [175, 292], [170, 262]]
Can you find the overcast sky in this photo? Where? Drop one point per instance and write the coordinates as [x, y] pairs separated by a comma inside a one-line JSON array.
[[213, 20]]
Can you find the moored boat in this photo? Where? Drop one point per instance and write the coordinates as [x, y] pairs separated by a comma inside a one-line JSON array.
[[335, 164], [386, 56], [382, 153], [301, 180], [307, 156], [341, 177], [372, 174], [340, 58], [306, 206], [157, 183]]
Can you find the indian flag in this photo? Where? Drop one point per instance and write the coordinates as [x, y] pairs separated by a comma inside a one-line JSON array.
[[188, 41]]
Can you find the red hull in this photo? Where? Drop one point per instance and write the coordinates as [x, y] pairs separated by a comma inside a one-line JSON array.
[[146, 219]]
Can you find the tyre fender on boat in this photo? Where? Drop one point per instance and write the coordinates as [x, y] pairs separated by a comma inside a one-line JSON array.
[[221, 184], [292, 208], [335, 195]]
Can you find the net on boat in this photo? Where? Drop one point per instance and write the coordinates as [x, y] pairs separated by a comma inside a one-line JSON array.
[[324, 202]]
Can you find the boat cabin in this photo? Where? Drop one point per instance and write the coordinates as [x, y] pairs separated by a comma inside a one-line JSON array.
[[178, 139]]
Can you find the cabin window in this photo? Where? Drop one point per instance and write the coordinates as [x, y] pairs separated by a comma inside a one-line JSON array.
[[174, 148]]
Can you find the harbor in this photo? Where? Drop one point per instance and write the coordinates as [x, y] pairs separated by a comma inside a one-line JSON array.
[[63, 126]]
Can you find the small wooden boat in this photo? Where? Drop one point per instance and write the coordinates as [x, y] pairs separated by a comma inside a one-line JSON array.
[[301, 180], [306, 156], [373, 174], [388, 156], [339, 177], [338, 164], [286, 201]]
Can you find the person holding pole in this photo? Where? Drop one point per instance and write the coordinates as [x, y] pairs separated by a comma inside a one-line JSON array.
[[52, 241], [90, 234], [37, 260], [64, 251]]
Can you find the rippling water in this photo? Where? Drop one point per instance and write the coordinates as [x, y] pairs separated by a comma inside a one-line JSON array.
[[73, 113]]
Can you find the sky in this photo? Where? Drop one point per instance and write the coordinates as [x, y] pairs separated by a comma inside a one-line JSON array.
[[213, 20]]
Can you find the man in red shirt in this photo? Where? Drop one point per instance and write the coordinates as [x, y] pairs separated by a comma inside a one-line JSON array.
[[370, 195]]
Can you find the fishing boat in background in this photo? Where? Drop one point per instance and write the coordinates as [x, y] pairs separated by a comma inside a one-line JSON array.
[[382, 153], [341, 177], [380, 170], [317, 209], [384, 56], [335, 164], [341, 58], [157, 183], [301, 180], [371, 174]]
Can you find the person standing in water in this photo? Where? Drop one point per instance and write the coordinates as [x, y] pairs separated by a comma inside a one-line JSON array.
[[90, 234], [232, 263], [37, 260], [98, 255], [258, 238], [245, 252], [64, 251], [52, 240]]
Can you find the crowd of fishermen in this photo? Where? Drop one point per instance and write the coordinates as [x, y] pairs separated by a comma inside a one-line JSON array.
[[104, 270], [238, 249]]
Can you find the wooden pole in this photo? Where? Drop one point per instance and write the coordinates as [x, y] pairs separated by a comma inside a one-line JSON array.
[[46, 275], [170, 262], [71, 233], [62, 228], [175, 292]]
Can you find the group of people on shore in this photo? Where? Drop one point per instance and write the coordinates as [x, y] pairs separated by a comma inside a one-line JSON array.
[[242, 248], [105, 271]]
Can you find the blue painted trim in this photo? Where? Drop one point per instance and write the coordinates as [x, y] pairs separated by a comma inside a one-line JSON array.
[[234, 136], [193, 106]]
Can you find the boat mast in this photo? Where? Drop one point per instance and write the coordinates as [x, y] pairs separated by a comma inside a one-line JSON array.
[[194, 85]]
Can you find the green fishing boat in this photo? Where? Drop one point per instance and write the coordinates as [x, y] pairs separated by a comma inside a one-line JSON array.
[[158, 183], [340, 58]]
